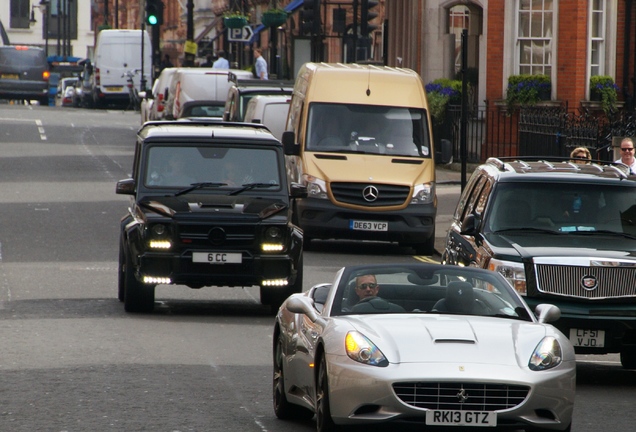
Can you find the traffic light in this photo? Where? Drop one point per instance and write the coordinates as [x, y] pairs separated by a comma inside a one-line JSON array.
[[310, 17], [367, 15], [154, 12]]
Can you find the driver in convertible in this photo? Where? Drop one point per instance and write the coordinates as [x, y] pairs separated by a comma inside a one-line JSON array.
[[367, 290]]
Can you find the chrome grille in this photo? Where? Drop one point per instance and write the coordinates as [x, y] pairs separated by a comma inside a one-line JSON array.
[[460, 396], [613, 281], [388, 195]]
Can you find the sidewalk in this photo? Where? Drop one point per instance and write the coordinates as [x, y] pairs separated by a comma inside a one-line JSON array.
[[452, 173]]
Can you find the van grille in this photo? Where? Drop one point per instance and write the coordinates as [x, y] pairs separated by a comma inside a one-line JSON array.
[[354, 193], [460, 396], [567, 280]]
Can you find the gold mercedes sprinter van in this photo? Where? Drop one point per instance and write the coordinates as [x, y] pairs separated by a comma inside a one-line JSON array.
[[359, 137]]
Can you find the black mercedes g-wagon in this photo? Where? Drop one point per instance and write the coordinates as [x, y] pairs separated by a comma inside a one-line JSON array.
[[209, 207]]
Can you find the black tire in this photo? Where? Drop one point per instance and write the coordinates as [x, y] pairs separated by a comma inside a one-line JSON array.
[[121, 278], [628, 357], [138, 297], [283, 409], [324, 422]]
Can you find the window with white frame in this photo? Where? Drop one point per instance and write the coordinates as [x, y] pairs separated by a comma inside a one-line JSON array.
[[458, 20], [19, 17], [535, 30], [597, 37]]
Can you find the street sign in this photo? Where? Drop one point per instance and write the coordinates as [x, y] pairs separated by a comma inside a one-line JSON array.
[[243, 34]]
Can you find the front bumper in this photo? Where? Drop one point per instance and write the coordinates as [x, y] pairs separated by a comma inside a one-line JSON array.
[[549, 404], [323, 220], [617, 320], [253, 269]]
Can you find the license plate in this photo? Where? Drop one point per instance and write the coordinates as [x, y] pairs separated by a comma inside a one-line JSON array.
[[587, 338], [114, 89], [368, 225], [461, 418], [217, 257], [10, 76]]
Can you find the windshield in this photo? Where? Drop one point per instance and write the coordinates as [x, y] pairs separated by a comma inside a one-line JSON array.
[[179, 166], [386, 289], [367, 129], [563, 208]]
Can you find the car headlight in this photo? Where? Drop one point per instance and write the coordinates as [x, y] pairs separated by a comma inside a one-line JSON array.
[[362, 350], [316, 188], [423, 193], [159, 237], [273, 240], [513, 272], [546, 355]]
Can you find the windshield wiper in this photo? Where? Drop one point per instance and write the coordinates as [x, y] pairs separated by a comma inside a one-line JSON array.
[[543, 230], [250, 186], [614, 233], [195, 186]]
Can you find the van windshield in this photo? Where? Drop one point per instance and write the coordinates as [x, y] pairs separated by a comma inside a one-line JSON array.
[[350, 128]]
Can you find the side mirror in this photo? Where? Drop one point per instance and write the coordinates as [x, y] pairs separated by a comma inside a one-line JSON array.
[[301, 304], [547, 313], [125, 187], [445, 154], [470, 225], [290, 146]]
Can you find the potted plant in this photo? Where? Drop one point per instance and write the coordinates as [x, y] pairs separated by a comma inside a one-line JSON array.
[[527, 89], [604, 90], [234, 19], [274, 17]]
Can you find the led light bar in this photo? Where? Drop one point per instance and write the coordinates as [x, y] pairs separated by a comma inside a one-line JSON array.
[[275, 282], [157, 280]]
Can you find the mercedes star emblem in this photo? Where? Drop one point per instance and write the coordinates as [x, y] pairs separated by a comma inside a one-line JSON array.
[[370, 193]]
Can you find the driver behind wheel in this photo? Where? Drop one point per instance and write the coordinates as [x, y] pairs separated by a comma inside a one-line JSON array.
[[367, 290]]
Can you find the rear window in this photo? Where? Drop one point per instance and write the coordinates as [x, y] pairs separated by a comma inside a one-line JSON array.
[[23, 57]]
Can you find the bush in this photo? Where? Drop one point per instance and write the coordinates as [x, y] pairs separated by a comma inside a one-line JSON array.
[[527, 89], [603, 89], [440, 93]]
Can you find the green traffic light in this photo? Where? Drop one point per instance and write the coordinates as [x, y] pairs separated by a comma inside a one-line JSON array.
[[152, 19]]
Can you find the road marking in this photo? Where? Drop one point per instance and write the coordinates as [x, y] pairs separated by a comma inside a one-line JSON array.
[[41, 130], [427, 259]]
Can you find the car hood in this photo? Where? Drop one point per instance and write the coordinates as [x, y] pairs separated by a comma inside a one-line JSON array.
[[533, 244], [217, 205], [435, 338]]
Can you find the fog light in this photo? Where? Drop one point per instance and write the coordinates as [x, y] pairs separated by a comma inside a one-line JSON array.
[[155, 280], [274, 282], [271, 247], [160, 244]]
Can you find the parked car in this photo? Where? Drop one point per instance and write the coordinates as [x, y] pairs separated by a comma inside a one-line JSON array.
[[244, 89], [210, 207], [65, 91], [421, 343], [270, 110], [82, 96], [153, 101], [24, 73], [205, 88], [561, 233]]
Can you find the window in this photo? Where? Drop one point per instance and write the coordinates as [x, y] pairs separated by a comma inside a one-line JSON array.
[[597, 37], [459, 18], [535, 24], [19, 14]]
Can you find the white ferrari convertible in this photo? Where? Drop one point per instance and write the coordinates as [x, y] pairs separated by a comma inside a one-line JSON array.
[[424, 344]]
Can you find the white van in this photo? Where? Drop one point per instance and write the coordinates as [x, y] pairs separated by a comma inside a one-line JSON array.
[[270, 110], [116, 52], [199, 92]]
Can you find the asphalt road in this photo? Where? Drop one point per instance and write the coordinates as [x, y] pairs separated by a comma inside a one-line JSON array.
[[72, 360]]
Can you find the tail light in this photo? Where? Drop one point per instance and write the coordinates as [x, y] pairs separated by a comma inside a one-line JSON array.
[[46, 75], [98, 79], [160, 104]]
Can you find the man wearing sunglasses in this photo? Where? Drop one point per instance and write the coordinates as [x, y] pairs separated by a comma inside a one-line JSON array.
[[367, 289], [627, 154]]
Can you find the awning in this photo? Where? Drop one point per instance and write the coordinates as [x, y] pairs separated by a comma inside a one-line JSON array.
[[291, 7]]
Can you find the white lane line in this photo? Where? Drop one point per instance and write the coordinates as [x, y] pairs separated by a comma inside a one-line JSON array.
[[41, 130]]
